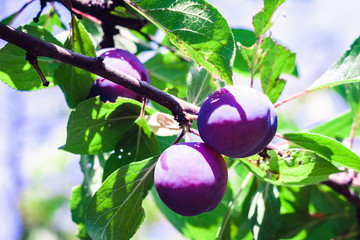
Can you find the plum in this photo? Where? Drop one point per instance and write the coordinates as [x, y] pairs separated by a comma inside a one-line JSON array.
[[237, 121], [124, 61], [190, 178]]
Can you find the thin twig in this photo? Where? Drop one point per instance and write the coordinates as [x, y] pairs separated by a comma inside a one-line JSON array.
[[292, 98], [20, 10], [34, 62], [42, 6]]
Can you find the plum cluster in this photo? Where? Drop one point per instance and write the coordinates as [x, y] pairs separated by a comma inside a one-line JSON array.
[[191, 178]]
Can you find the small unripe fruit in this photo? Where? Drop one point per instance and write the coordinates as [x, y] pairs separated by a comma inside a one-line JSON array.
[[190, 178], [237, 121], [123, 61]]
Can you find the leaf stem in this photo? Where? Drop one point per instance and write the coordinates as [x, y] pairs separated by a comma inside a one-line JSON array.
[[68, 5], [231, 207], [19, 11], [353, 129], [253, 66], [292, 98]]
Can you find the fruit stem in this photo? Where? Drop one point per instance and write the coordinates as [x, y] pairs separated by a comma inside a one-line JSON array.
[[194, 131], [178, 139], [231, 207], [186, 130], [191, 117]]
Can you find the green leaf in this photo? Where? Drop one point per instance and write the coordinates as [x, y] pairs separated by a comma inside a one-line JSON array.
[[127, 40], [295, 199], [277, 60], [297, 167], [81, 195], [340, 214], [345, 70], [197, 29], [123, 12], [293, 223], [115, 211], [251, 55], [49, 20], [167, 71], [18, 73], [41, 33], [327, 148], [75, 82], [264, 213], [353, 98], [200, 85], [338, 127], [96, 127], [262, 20], [244, 38], [9, 19], [166, 141], [93, 29], [138, 143]]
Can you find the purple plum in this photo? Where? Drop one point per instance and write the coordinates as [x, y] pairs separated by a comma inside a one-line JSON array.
[[237, 121], [191, 178], [124, 61]]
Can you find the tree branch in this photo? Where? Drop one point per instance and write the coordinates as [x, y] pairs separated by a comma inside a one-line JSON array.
[[42, 48]]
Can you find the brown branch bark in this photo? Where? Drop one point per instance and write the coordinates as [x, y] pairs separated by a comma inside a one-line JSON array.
[[38, 47]]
